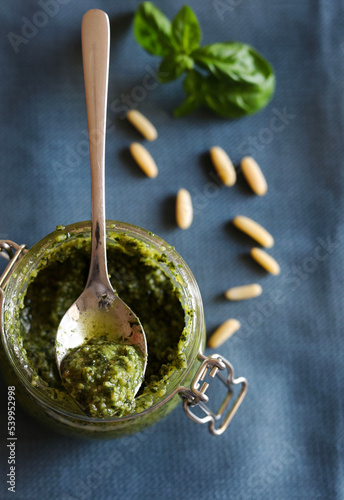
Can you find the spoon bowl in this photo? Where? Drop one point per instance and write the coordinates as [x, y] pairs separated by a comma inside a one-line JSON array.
[[99, 315]]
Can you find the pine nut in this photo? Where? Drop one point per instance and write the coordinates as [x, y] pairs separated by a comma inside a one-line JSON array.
[[255, 230], [223, 333], [265, 260], [144, 159], [142, 124], [184, 211], [244, 292], [223, 165], [254, 175]]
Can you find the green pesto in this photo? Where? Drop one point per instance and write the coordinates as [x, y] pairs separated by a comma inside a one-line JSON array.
[[140, 277], [102, 377]]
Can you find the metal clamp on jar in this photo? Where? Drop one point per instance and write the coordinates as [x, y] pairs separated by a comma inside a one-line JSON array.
[[188, 382]]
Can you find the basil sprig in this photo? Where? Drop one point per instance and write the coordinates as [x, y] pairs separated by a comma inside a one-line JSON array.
[[232, 78]]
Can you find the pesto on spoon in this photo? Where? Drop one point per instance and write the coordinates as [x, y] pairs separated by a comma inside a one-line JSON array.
[[99, 326]]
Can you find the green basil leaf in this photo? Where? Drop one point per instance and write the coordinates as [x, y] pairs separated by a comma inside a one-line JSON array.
[[173, 66], [192, 87], [233, 101], [230, 100], [186, 31], [191, 103], [237, 61], [152, 30], [193, 82]]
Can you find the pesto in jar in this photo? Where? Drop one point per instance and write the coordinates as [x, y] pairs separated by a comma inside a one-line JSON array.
[[144, 280]]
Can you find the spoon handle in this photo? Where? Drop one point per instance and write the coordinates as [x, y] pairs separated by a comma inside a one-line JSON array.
[[95, 38]]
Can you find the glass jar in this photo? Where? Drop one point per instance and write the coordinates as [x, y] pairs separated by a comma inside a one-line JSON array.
[[184, 382]]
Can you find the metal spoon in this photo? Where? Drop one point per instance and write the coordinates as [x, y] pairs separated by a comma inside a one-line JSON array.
[[98, 311]]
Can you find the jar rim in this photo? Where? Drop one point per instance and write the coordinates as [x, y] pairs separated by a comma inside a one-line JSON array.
[[187, 282]]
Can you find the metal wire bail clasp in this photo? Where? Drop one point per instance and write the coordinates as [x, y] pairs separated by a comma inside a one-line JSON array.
[[12, 252], [197, 395]]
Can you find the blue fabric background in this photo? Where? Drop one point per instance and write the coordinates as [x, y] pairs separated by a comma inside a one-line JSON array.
[[286, 441]]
